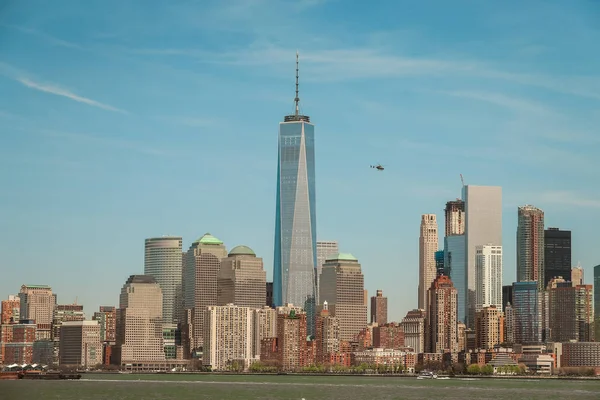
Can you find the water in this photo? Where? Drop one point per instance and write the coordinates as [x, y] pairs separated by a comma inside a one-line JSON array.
[[222, 387]]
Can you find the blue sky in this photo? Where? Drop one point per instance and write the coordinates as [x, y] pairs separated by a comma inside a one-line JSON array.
[[126, 120]]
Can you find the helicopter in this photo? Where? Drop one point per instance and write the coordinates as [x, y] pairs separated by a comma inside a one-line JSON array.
[[378, 167]]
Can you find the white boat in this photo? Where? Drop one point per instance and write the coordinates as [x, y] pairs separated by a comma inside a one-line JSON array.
[[427, 375]]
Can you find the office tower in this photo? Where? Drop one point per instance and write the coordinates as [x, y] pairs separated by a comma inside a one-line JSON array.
[[37, 303], [106, 317], [488, 276], [11, 310], [342, 287], [530, 245], [162, 260], [265, 326], [441, 332], [327, 337], [325, 249], [65, 313], [291, 338], [557, 254], [269, 301], [80, 344], [428, 245], [200, 280], [597, 302], [571, 311], [489, 327], [439, 263], [455, 264], [295, 255], [455, 218], [577, 277], [379, 308], [506, 295], [242, 279], [483, 224], [139, 322], [413, 325], [527, 309], [228, 336]]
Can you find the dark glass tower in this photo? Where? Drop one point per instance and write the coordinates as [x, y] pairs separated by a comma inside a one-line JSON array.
[[557, 254], [295, 255]]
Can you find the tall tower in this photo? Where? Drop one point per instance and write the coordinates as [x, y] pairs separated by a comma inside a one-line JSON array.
[[530, 246], [455, 217], [295, 256], [483, 224], [325, 249], [442, 326], [242, 279], [162, 260], [488, 277], [428, 245], [557, 255], [379, 308]]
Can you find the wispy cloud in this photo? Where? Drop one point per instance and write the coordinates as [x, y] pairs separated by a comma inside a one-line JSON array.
[[112, 142], [58, 91], [569, 198], [44, 36], [514, 103]]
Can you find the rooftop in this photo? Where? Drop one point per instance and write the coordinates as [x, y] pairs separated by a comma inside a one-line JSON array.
[[242, 251], [342, 257], [209, 239], [141, 279]]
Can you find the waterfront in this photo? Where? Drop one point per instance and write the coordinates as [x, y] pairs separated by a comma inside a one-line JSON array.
[[284, 387]]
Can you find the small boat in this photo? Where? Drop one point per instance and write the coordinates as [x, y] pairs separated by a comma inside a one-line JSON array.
[[427, 375]]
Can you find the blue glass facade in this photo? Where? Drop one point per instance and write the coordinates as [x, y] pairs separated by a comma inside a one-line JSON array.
[[295, 255], [439, 263], [455, 263], [527, 310]]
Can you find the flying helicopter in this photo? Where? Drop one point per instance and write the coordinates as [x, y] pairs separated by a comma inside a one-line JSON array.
[[378, 167]]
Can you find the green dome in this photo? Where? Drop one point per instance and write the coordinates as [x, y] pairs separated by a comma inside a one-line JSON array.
[[207, 238], [242, 251], [343, 257]]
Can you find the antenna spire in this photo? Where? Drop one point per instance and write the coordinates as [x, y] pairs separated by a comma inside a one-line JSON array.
[[297, 99]]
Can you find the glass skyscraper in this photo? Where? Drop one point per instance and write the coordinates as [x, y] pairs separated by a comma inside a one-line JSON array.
[[455, 263], [527, 312], [295, 255]]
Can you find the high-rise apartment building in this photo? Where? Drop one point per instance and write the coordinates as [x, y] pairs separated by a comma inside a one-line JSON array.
[[327, 336], [80, 344], [200, 280], [242, 279], [37, 303], [163, 261], [530, 245], [428, 245], [442, 325], [488, 277], [577, 276], [139, 322], [106, 317], [295, 256], [455, 218], [229, 336], [571, 312], [11, 310], [414, 325], [265, 326], [379, 308], [557, 254], [342, 285], [483, 224], [325, 249], [291, 338], [527, 311], [489, 327]]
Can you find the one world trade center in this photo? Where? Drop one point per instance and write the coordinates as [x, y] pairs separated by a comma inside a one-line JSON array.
[[295, 221]]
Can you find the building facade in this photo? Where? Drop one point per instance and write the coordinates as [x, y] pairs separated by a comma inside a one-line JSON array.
[[242, 279], [80, 344], [342, 287], [557, 254], [489, 327], [597, 302], [488, 277], [577, 276], [106, 317], [325, 249], [379, 308], [37, 303], [455, 263], [428, 245], [265, 326], [11, 310], [483, 224], [455, 218], [530, 246], [163, 261], [414, 325], [442, 323], [571, 312], [527, 313]]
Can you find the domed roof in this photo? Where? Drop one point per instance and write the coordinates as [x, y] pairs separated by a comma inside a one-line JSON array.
[[207, 238], [242, 251]]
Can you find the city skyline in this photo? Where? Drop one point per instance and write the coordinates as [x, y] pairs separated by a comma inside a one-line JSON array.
[[97, 158]]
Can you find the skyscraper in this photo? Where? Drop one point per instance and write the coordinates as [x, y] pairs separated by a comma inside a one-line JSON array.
[[442, 326], [295, 255], [488, 277], [379, 308], [577, 275], [530, 245], [325, 249], [37, 303], [557, 254], [242, 279], [428, 245], [483, 224], [527, 309], [162, 260], [455, 217]]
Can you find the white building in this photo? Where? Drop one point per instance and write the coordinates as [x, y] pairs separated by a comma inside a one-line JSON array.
[[488, 276], [428, 245]]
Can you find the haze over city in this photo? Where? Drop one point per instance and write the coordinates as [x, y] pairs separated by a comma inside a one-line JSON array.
[[122, 122]]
